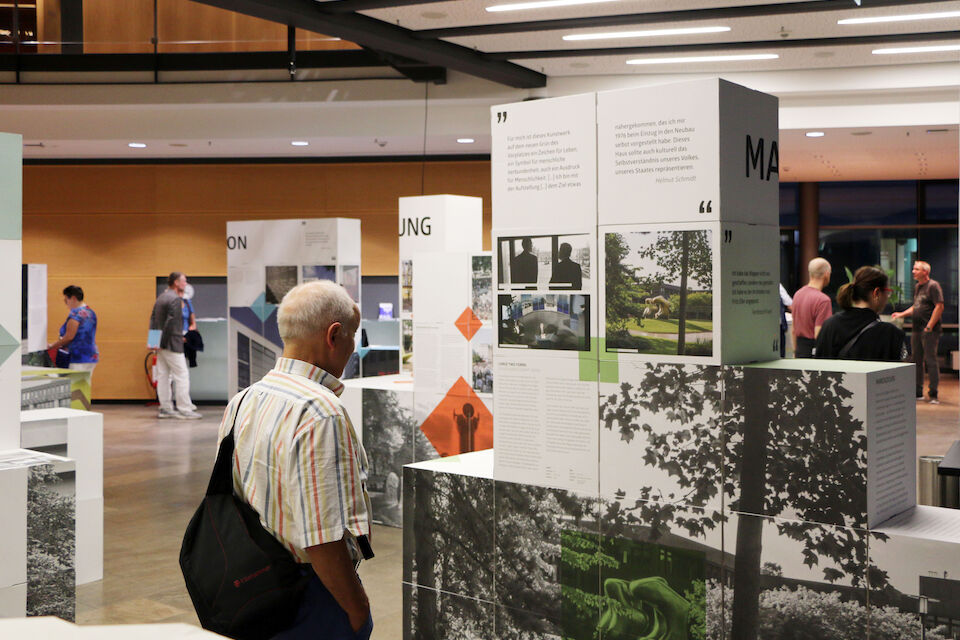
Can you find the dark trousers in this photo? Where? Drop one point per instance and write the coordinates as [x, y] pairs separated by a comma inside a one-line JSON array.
[[924, 347], [321, 618], [804, 347]]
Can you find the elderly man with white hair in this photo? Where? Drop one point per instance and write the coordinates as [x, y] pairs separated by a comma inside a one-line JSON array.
[[811, 308], [927, 309], [300, 465]]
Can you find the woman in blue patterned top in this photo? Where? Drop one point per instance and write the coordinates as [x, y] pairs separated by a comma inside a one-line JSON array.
[[77, 335]]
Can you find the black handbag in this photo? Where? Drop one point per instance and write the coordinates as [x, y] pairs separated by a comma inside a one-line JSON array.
[[244, 584]]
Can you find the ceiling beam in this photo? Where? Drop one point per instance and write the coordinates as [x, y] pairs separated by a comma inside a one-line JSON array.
[[380, 36], [659, 17], [772, 45]]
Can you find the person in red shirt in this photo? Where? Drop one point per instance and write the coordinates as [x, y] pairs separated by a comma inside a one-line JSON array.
[[811, 307]]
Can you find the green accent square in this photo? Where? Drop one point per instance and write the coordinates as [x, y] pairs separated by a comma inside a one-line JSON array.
[[11, 186], [588, 368], [609, 371]]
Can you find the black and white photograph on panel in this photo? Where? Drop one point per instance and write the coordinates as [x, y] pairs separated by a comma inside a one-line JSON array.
[[429, 614], [661, 432], [406, 335], [555, 321], [51, 541], [482, 284], [795, 445], [481, 356], [552, 262], [279, 280], [914, 576], [388, 439], [793, 579], [547, 560], [406, 286], [659, 292], [661, 570], [312, 272], [448, 532], [351, 281]]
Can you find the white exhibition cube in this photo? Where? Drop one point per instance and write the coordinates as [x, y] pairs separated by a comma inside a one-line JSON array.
[[826, 441], [715, 282], [11, 229], [702, 150]]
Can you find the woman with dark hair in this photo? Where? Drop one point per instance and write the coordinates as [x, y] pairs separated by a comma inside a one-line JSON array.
[[77, 348], [856, 333]]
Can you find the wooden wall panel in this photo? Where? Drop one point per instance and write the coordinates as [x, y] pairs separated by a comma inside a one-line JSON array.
[[112, 229]]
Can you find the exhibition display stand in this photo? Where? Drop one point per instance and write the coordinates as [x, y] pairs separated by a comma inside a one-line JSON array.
[[657, 472]]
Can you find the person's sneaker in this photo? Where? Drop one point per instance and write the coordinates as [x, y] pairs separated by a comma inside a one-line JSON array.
[[189, 415], [933, 400], [164, 413]]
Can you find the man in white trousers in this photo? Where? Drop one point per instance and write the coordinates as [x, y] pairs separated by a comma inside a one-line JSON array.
[[167, 317]]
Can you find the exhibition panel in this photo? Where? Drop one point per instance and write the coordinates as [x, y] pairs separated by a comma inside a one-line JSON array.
[[11, 154]]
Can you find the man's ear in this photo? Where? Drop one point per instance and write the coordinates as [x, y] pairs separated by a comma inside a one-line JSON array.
[[331, 334]]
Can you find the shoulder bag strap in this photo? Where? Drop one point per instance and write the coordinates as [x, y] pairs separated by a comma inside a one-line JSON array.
[[221, 480], [847, 347]]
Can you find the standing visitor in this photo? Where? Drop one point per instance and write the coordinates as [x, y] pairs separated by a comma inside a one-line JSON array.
[[811, 308], [856, 333], [299, 464], [172, 372], [926, 310], [77, 342]]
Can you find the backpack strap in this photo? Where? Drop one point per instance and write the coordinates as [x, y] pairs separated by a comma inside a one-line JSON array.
[[847, 347], [221, 480]]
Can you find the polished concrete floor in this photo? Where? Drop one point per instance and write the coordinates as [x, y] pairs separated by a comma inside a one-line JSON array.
[[155, 472]]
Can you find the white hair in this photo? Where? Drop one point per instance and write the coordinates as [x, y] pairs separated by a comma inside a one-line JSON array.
[[818, 268], [310, 308]]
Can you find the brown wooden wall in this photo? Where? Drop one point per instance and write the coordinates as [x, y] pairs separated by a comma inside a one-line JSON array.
[[112, 229]]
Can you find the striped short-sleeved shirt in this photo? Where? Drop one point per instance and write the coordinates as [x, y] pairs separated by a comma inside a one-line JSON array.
[[297, 459]]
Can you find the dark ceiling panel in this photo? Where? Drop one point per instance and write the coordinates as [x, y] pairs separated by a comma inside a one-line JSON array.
[[349, 6], [380, 36]]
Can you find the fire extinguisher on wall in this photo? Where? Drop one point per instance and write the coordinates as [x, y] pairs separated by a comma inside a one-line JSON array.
[[150, 369]]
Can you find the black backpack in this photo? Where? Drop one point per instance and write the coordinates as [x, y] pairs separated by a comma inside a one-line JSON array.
[[243, 582]]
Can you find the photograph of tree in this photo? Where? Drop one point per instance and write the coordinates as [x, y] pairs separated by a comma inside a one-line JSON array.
[[388, 438], [544, 321], [659, 292], [279, 280], [481, 356], [915, 576], [448, 533], [434, 615], [555, 262], [547, 563], [51, 543], [661, 431], [482, 283], [406, 286], [406, 327]]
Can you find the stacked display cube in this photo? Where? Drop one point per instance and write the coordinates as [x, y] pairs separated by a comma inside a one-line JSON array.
[[721, 494]]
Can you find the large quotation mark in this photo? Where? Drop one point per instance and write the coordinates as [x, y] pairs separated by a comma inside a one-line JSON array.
[[501, 117], [708, 209], [727, 236]]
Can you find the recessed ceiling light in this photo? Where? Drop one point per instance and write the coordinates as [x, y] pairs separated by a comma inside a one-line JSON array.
[[579, 65], [300, 143], [823, 54], [649, 33], [137, 145], [541, 4], [937, 130], [941, 15], [433, 15], [177, 144], [466, 140], [729, 58], [929, 49], [861, 133], [815, 134]]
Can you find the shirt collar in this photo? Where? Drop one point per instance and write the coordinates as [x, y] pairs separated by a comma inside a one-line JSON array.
[[309, 371]]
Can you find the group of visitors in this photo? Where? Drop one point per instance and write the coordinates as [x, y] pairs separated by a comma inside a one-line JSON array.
[[857, 333]]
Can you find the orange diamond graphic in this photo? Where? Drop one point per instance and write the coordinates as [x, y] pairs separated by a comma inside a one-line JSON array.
[[460, 423], [468, 323]]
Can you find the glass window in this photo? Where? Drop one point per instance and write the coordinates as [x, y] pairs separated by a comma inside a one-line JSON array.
[[868, 203], [789, 204], [940, 201]]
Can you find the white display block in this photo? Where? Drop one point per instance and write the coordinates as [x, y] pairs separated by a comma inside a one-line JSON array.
[[702, 150], [78, 433], [13, 533], [89, 540], [35, 308], [10, 330], [828, 441], [544, 164], [13, 602], [727, 273], [546, 427], [267, 258], [661, 432]]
